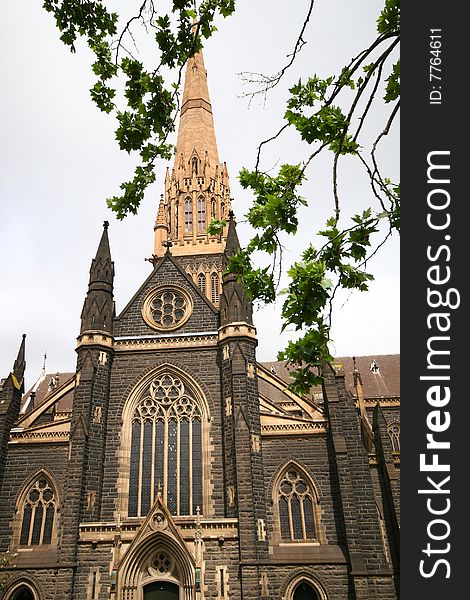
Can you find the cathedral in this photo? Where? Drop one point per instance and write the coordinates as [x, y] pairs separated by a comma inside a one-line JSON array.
[[171, 464]]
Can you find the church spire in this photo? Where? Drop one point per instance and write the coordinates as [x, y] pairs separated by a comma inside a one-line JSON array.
[[197, 190], [196, 133]]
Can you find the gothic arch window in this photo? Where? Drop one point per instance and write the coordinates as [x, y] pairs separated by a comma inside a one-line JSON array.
[[213, 209], [394, 433], [215, 288], [188, 215], [201, 214], [304, 591], [177, 206], [296, 502], [304, 586], [38, 507], [166, 448], [194, 165], [201, 282], [22, 591]]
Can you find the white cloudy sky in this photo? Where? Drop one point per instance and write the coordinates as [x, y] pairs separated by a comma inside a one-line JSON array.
[[59, 161]]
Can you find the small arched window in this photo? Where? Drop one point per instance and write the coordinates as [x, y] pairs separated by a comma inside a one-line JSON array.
[[166, 449], [215, 288], [38, 513], [194, 165], [296, 505], [22, 592], [188, 215], [201, 214], [394, 433], [201, 282], [305, 591]]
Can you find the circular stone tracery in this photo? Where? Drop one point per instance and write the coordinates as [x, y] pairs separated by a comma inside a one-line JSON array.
[[167, 308]]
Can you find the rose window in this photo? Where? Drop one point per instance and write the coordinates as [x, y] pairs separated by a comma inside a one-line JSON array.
[[167, 308]]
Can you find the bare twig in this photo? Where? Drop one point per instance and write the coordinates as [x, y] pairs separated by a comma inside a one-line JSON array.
[[267, 82]]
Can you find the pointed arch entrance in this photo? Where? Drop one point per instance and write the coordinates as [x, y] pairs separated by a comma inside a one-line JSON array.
[[158, 564], [161, 590]]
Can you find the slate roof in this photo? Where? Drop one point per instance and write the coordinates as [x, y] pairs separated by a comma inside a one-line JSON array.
[[380, 374], [47, 383]]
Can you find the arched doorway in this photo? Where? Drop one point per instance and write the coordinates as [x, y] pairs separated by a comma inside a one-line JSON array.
[[161, 590], [22, 593], [304, 591]]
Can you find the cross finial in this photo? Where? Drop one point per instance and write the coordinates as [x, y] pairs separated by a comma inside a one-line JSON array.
[[159, 488], [106, 224], [168, 244]]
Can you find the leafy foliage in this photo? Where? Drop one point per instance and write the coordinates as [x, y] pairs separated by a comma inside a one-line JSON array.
[[327, 113], [151, 101]]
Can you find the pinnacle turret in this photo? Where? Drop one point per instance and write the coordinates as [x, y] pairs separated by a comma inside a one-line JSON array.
[[235, 305], [19, 365], [98, 308]]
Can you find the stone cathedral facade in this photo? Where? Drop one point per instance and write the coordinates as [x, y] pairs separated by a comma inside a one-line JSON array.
[[171, 464]]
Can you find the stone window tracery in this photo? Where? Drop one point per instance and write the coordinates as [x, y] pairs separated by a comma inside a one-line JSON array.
[[167, 307], [38, 513], [166, 449], [296, 505], [394, 433]]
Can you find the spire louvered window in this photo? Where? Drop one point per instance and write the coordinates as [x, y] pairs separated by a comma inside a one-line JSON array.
[[201, 215], [188, 215], [215, 288]]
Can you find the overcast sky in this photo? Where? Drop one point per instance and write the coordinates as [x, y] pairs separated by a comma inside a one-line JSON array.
[[59, 161]]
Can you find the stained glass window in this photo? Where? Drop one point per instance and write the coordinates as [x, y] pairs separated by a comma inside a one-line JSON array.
[[38, 513], [166, 449], [296, 507]]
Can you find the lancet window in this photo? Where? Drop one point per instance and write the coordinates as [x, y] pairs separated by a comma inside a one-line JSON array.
[[201, 214], [166, 449], [188, 215], [394, 433], [215, 288], [38, 512], [201, 282]]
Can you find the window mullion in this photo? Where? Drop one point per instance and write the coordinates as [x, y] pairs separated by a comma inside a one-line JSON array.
[[289, 510], [165, 459], [190, 465], [178, 470], [31, 524], [141, 464], [43, 520], [152, 475]]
